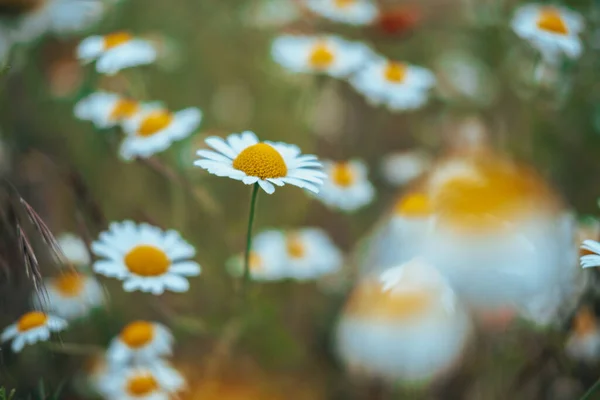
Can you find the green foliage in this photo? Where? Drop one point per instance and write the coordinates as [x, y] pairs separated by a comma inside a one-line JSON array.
[[6, 395]]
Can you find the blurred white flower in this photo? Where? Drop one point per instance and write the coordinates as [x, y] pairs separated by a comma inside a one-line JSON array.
[[105, 109], [267, 258], [153, 129], [347, 186], [583, 343], [271, 13], [55, 16], [592, 256], [328, 54], [402, 167], [353, 12], [461, 75], [32, 327], [553, 30], [70, 295], [74, 249], [156, 381], [407, 325], [116, 51], [140, 342], [244, 158], [397, 85], [145, 257]]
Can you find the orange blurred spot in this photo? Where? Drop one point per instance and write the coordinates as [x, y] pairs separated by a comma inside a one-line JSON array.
[[399, 20]]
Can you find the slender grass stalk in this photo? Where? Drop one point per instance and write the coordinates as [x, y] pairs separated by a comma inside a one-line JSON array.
[[591, 391], [246, 275]]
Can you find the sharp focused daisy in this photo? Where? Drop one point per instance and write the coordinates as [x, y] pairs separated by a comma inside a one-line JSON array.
[[243, 157], [140, 341], [154, 129], [405, 325], [36, 17], [116, 51], [157, 381], [106, 110], [74, 249], [347, 186], [353, 12], [398, 85], [591, 258], [329, 55], [584, 341], [401, 168], [70, 295], [267, 258], [551, 29], [145, 257], [33, 327]]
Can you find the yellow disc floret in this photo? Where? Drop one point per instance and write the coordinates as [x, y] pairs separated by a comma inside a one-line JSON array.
[[69, 284], [342, 174], [550, 20], [155, 122], [116, 39], [321, 56], [261, 160], [146, 260], [395, 72], [142, 385], [31, 320], [124, 108], [137, 334]]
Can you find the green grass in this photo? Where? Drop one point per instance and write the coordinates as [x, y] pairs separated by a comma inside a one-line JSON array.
[[6, 396]]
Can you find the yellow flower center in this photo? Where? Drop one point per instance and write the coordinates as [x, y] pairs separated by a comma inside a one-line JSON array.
[[342, 174], [550, 20], [155, 122], [344, 3], [124, 108], [69, 284], [370, 301], [414, 205], [137, 334], [261, 160], [31, 320], [395, 72], [255, 262], [146, 260], [142, 385], [295, 246], [116, 39], [321, 56]]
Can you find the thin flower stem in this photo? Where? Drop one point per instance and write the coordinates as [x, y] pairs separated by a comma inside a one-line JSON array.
[[246, 276], [591, 391]]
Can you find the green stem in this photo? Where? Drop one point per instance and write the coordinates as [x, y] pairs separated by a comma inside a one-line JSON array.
[[591, 391], [246, 276]]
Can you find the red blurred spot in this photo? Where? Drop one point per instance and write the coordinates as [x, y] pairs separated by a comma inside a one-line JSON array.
[[399, 20]]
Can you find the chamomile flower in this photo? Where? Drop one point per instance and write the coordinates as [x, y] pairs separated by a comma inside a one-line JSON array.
[[405, 324], [32, 327], [583, 343], [327, 54], [157, 381], [145, 257], [243, 157], [70, 295], [267, 258], [116, 51], [140, 341], [353, 12], [347, 186], [591, 258], [397, 85], [553, 30], [34, 18], [402, 167], [74, 249], [105, 109], [154, 129]]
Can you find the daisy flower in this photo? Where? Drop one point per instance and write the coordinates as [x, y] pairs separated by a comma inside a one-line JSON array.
[[243, 157], [327, 54], [154, 129], [405, 324], [157, 381], [140, 341], [584, 341], [591, 257], [116, 51], [74, 249], [397, 85], [105, 110], [552, 30], [34, 18], [400, 168], [353, 12], [70, 295], [267, 258], [145, 257], [32, 327], [347, 186]]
